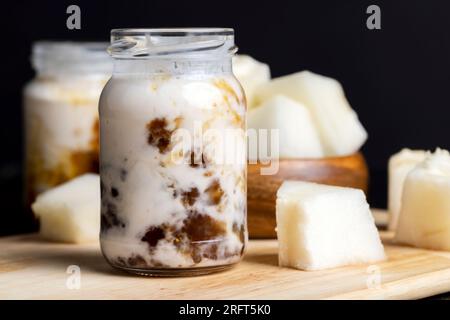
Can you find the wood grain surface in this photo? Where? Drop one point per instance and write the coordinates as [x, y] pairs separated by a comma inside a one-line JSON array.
[[349, 171], [34, 269]]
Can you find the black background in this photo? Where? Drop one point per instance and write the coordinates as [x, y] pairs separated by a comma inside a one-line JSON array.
[[396, 78]]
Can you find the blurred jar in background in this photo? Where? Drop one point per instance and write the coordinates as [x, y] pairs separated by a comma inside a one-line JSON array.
[[61, 112]]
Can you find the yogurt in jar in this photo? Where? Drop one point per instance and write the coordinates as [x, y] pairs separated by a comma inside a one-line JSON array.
[[61, 112], [172, 160]]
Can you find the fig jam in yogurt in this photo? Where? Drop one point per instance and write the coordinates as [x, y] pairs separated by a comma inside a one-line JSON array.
[[172, 153]]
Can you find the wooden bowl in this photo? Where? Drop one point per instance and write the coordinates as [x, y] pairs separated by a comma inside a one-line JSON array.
[[348, 171]]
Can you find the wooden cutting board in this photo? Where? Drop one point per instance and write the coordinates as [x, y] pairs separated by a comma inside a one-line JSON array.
[[34, 269]]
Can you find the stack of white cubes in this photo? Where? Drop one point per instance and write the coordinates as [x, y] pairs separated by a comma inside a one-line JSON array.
[[310, 111]]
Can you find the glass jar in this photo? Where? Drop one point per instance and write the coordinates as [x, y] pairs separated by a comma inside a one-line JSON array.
[[173, 153], [61, 112]]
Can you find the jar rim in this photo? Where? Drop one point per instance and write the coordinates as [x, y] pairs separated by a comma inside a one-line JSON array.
[[70, 56], [70, 50], [172, 32], [191, 43]]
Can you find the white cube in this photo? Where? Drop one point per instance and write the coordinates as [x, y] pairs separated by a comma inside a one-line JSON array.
[[250, 73], [400, 164], [424, 219], [298, 137], [339, 129], [321, 226], [70, 212]]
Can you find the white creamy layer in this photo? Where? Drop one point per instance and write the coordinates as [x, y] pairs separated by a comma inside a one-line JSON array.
[[62, 113], [147, 178], [60, 117]]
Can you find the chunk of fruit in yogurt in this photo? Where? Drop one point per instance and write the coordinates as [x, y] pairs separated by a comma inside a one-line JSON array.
[[158, 134], [322, 226], [71, 211]]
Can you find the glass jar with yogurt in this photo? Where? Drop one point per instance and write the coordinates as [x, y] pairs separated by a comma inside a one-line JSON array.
[[173, 153], [61, 112]]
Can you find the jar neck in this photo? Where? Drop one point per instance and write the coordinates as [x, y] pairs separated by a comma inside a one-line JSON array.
[[72, 73], [72, 77], [172, 66], [70, 59]]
